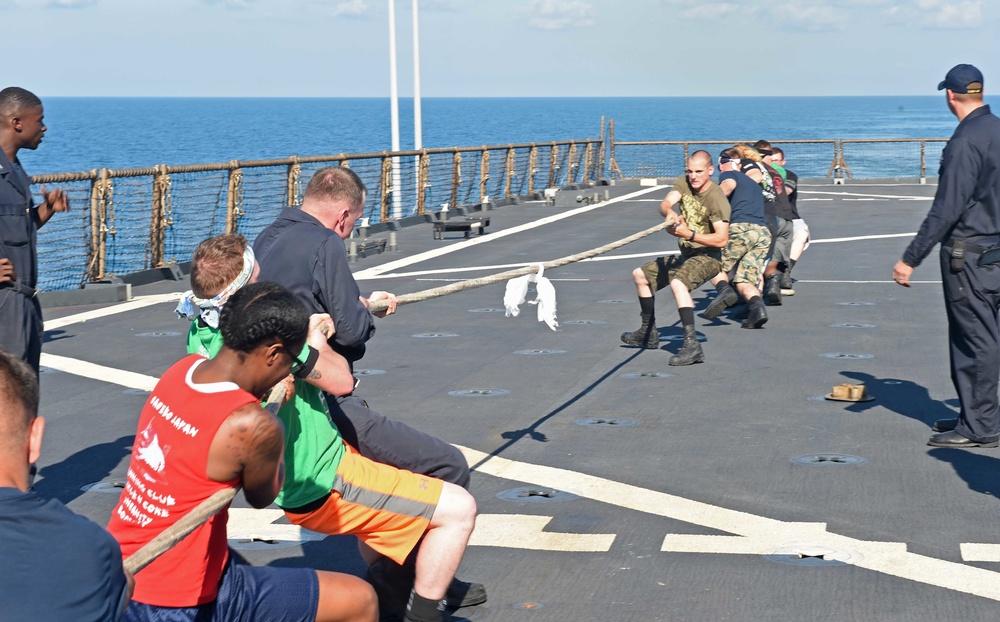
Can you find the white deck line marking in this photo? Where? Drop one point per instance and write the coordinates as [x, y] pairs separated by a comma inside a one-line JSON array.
[[881, 236], [890, 558], [401, 275], [392, 265], [93, 371], [758, 532], [876, 196], [522, 531], [136, 303], [978, 552]]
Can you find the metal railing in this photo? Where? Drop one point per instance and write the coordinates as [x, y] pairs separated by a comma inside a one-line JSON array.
[[835, 159], [142, 218]]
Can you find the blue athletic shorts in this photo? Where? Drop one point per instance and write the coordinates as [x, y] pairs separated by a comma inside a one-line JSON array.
[[246, 594]]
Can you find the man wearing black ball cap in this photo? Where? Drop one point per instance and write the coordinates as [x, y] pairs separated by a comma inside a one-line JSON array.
[[965, 219]]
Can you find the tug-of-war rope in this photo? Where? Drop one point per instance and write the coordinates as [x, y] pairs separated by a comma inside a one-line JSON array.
[[462, 286], [209, 507]]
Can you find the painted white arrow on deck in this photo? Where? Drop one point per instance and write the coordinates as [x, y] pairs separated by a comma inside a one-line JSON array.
[[523, 531]]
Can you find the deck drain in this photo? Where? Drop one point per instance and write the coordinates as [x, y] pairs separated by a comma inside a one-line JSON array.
[[584, 322], [135, 392], [857, 304], [167, 333], [613, 302], [535, 495], [817, 398], [368, 372], [607, 422], [893, 382], [852, 325], [434, 335], [826, 460], [478, 392], [272, 537], [813, 556], [646, 374], [539, 351], [106, 487], [681, 338], [847, 355], [488, 310]]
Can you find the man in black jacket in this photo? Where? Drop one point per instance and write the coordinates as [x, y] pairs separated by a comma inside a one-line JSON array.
[[965, 219]]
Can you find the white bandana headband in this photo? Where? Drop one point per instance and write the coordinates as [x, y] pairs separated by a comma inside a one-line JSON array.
[[191, 307]]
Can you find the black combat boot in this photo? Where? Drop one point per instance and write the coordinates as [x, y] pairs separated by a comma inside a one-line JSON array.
[[690, 353], [724, 298], [786, 279], [646, 336], [772, 289], [757, 316]]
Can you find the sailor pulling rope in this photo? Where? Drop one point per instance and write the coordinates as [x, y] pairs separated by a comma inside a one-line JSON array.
[[188, 309], [191, 307]]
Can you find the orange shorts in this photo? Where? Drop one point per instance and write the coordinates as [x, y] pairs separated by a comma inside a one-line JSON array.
[[388, 508]]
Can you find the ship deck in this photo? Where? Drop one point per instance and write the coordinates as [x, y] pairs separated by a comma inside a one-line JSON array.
[[610, 485]]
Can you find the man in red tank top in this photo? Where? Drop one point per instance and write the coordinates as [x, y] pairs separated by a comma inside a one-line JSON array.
[[202, 430]]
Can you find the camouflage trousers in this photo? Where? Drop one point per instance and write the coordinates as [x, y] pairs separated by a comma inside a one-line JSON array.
[[746, 250], [693, 270]]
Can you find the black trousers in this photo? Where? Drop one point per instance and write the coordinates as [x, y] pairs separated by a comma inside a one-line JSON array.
[[972, 300], [394, 443], [21, 328]]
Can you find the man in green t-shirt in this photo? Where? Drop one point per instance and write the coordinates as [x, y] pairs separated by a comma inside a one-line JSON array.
[[702, 230]]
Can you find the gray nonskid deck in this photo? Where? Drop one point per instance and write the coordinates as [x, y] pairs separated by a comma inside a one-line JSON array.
[[611, 485]]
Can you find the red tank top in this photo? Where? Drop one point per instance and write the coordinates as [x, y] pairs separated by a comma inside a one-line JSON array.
[[167, 478]]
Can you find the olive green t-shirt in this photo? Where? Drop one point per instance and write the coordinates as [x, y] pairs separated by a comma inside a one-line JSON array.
[[702, 209]]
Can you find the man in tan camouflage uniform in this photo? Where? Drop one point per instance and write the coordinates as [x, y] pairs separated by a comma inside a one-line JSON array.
[[702, 229]]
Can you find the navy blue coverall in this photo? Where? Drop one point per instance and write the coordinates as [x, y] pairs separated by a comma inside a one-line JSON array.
[[298, 252], [21, 328], [966, 211]]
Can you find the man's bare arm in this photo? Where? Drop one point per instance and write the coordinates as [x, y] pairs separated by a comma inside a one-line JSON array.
[[668, 203], [331, 373]]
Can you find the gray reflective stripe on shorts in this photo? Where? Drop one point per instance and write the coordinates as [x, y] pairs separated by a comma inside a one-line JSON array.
[[382, 501]]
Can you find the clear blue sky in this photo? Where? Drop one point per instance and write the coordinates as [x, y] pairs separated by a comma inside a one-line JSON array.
[[480, 48]]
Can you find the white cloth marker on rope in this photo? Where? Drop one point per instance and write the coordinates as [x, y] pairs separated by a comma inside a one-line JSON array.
[[545, 296]]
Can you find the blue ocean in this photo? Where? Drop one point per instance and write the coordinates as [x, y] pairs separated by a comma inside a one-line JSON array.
[[89, 133]]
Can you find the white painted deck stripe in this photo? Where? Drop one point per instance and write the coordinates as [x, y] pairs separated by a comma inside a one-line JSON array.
[[93, 371], [752, 534], [407, 261], [136, 303]]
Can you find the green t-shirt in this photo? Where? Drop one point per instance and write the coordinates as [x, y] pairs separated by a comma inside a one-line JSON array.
[[313, 446], [781, 170]]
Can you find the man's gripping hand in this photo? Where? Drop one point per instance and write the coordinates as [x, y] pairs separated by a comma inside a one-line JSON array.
[[390, 302]]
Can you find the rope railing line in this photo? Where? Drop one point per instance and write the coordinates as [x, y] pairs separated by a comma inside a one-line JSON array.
[[461, 286], [165, 210]]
